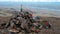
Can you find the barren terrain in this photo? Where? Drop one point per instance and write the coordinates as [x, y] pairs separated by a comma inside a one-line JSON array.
[[5, 17]]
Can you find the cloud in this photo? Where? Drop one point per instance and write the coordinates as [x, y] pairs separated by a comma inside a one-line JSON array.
[[32, 0], [40, 0], [8, 0]]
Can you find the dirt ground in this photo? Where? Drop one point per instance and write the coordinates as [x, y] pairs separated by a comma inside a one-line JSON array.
[[54, 21]]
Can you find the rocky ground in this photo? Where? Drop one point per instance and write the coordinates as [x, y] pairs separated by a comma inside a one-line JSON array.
[[55, 26], [54, 21]]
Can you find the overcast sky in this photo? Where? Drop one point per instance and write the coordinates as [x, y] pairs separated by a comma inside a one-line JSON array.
[[31, 0]]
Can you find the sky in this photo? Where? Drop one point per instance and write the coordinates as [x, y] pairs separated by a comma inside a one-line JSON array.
[[30, 0]]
